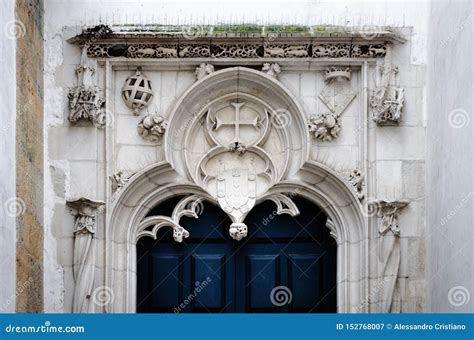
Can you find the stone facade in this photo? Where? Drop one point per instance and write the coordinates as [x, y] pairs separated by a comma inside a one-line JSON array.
[[356, 104]]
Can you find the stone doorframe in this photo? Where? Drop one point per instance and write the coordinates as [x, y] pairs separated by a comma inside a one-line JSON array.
[[294, 174]]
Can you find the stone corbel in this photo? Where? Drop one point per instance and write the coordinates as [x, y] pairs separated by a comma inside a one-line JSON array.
[[273, 70], [85, 211], [203, 70], [190, 206], [336, 95], [388, 247], [387, 99], [357, 181], [84, 100]]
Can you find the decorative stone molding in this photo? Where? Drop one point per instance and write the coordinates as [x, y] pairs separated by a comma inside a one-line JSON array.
[[203, 70], [284, 204], [324, 126], [190, 206], [84, 100], [137, 92], [387, 99], [152, 127], [337, 72], [273, 70], [389, 251], [85, 212], [357, 180]]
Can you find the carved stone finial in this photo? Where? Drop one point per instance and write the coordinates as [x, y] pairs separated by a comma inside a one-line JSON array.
[[84, 100], [387, 99], [357, 179], [203, 70], [137, 92], [273, 70], [324, 126], [388, 211], [152, 127]]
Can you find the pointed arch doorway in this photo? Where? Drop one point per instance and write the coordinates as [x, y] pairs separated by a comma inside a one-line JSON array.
[[286, 265]]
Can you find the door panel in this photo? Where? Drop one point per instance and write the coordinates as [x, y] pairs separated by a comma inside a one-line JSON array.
[[210, 272]]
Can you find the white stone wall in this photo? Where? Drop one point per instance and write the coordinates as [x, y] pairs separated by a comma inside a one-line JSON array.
[[450, 190], [7, 157], [75, 161]]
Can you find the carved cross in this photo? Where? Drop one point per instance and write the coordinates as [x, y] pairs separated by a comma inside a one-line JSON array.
[[237, 122]]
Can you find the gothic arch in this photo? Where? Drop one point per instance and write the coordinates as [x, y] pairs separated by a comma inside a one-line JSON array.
[[280, 154]]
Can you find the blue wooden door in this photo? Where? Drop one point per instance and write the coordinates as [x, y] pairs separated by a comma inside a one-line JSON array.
[[285, 265]]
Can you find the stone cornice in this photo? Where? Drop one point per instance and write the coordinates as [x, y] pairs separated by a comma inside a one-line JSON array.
[[104, 42]]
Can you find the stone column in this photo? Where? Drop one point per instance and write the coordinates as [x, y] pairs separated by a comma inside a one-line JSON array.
[[85, 212]]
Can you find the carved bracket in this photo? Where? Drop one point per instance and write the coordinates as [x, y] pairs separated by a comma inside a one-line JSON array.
[[388, 211], [273, 70], [190, 206]]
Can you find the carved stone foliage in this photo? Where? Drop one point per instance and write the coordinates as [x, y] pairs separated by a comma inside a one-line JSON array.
[[137, 92], [388, 246], [357, 180], [119, 179], [203, 70], [237, 50], [273, 70], [152, 127], [85, 212], [337, 94], [387, 99], [84, 100], [190, 206], [324, 127]]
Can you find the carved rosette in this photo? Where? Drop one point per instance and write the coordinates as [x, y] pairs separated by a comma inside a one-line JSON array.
[[85, 211], [203, 70], [152, 127], [84, 100], [324, 126], [273, 70]]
